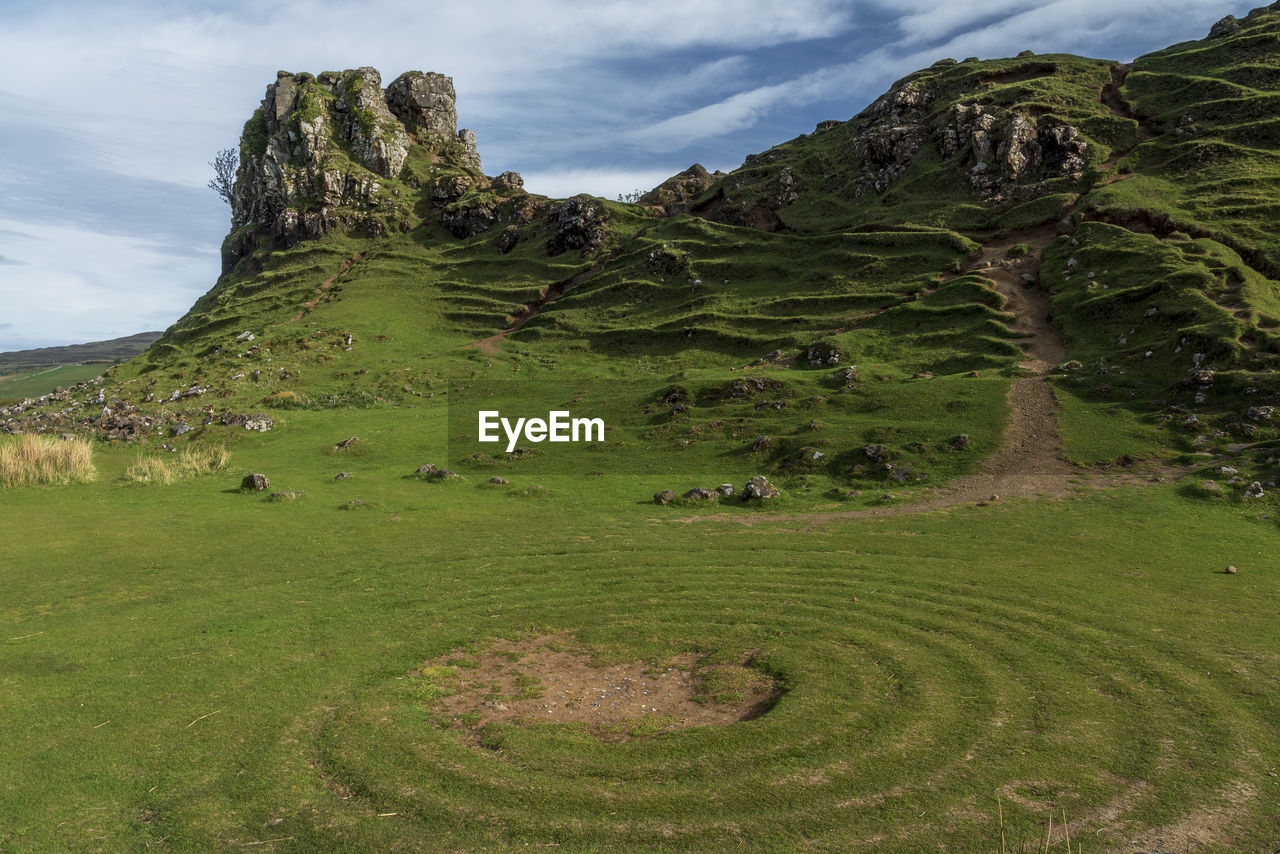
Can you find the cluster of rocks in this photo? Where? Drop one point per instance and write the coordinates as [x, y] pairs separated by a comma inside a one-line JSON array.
[[822, 354], [431, 471], [1009, 155], [757, 488]]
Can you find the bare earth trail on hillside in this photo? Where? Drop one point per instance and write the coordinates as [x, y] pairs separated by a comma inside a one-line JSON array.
[[550, 293], [325, 286], [1028, 463]]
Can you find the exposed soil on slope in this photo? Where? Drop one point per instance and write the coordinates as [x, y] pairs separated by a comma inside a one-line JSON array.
[[326, 285], [549, 294]]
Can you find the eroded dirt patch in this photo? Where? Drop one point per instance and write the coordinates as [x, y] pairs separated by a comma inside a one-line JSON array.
[[550, 679]]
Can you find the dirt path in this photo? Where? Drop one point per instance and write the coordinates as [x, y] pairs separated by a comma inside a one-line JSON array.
[[550, 293], [325, 286], [1028, 463]]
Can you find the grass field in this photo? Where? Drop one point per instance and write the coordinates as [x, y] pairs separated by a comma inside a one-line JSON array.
[[218, 669], [20, 384], [1020, 436]]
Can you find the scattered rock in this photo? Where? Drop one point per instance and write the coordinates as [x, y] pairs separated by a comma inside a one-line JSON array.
[[427, 468], [771, 356], [820, 354], [702, 493], [346, 443], [342, 475], [285, 496], [1260, 413], [1225, 470], [959, 442], [499, 481], [357, 504], [666, 496], [761, 443], [1254, 490], [760, 488], [576, 223], [254, 421], [726, 489], [1068, 366], [846, 377], [256, 481], [508, 238], [1230, 570]]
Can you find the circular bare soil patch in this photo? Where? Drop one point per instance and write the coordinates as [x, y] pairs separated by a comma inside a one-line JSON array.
[[550, 679]]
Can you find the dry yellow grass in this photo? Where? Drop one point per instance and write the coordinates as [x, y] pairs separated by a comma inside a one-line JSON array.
[[29, 460], [190, 462]]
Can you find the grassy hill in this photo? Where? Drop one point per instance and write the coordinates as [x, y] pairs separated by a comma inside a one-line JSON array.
[[31, 373], [1004, 342]]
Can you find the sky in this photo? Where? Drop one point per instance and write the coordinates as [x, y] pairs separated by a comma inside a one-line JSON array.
[[113, 110]]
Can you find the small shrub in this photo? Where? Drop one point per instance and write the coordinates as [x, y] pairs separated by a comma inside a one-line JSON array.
[[32, 460]]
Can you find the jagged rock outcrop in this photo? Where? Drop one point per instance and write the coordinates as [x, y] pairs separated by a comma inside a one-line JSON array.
[[425, 103], [1009, 154], [316, 155], [676, 193], [377, 137], [577, 223]]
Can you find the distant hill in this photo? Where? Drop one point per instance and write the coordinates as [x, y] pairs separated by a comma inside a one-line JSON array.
[[117, 349]]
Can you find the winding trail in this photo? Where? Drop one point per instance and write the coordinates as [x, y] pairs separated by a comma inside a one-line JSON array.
[[1028, 463], [325, 286], [550, 293]]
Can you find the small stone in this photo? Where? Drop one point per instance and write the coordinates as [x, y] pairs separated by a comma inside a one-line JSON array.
[[342, 475], [666, 496], [499, 481], [1230, 570], [284, 496], [759, 487], [1254, 490], [256, 481]]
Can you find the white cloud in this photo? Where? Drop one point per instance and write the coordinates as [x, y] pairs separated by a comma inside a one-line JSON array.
[[608, 183], [101, 286]]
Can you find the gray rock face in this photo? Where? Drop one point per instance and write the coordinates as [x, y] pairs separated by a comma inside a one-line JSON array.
[[759, 488], [469, 220], [469, 156], [425, 102], [1010, 155], [677, 192], [1228, 26], [509, 182], [256, 482], [577, 223], [295, 180], [376, 137]]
